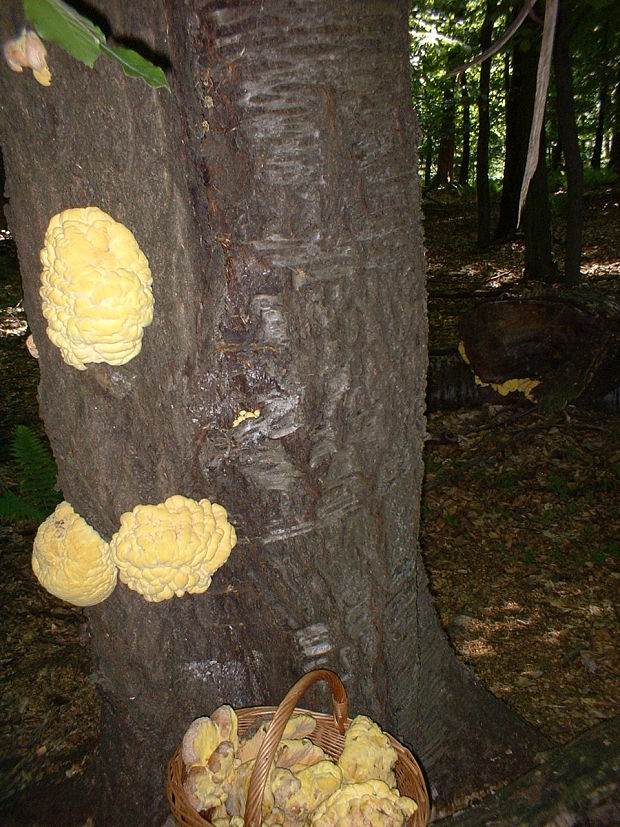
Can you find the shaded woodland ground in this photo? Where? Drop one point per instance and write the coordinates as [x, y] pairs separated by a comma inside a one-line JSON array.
[[521, 520]]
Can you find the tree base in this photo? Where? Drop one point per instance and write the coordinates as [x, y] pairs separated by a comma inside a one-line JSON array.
[[577, 784]]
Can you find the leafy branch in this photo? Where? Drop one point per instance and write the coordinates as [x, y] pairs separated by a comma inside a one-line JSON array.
[[56, 21]]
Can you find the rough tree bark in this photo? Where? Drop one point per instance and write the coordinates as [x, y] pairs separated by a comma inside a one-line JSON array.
[[275, 194]]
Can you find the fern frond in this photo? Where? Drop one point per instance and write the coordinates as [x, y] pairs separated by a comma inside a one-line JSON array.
[[14, 509], [35, 467], [37, 494]]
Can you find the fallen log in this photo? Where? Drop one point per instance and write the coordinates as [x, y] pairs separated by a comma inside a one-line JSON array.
[[577, 784], [551, 345]]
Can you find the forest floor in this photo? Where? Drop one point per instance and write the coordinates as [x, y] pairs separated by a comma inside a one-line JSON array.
[[521, 512], [520, 533]]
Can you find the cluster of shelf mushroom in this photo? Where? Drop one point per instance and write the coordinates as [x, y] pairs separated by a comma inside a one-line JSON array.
[[97, 299]]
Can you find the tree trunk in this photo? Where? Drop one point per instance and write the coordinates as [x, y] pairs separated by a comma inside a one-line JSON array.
[[597, 149], [556, 155], [484, 131], [445, 159], [603, 100], [567, 128], [275, 194], [519, 109], [464, 167], [539, 264], [428, 161], [614, 153]]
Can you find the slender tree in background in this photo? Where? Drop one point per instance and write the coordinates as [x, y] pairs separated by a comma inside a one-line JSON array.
[[614, 153], [603, 101], [445, 158], [519, 107], [536, 219], [603, 104], [539, 264], [483, 196], [567, 133], [428, 161], [275, 194], [465, 132]]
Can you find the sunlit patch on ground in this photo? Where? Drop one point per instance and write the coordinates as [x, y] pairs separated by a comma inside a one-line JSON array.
[[477, 648]]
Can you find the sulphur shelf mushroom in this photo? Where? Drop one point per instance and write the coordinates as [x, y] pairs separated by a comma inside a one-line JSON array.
[[173, 547], [372, 803], [367, 753], [95, 288], [71, 560]]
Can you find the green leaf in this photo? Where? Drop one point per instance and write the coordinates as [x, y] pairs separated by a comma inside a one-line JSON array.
[[135, 66], [56, 21]]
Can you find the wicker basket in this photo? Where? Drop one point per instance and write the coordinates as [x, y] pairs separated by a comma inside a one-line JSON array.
[[328, 734]]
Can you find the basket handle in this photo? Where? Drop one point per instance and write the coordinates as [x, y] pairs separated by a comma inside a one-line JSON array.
[[266, 753]]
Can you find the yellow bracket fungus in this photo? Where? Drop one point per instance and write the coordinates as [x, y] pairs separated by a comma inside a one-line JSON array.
[[95, 288], [71, 560], [27, 50], [173, 547], [243, 415], [523, 385]]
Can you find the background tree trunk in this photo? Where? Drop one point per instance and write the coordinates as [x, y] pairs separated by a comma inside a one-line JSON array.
[[567, 128], [466, 128], [445, 158], [428, 161], [519, 108], [614, 153], [539, 264], [597, 149], [603, 98], [484, 131], [536, 218], [275, 194]]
